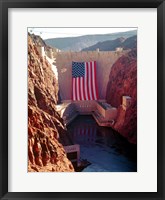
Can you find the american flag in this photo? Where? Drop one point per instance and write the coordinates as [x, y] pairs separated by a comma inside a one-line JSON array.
[[84, 85]]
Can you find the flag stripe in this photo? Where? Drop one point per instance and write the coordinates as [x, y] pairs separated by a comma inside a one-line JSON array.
[[74, 89], [83, 82], [77, 89], [89, 81], [81, 88], [86, 82], [96, 88], [92, 86], [79, 82], [94, 83], [88, 89]]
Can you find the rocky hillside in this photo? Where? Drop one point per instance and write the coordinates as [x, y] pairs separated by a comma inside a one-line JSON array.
[[37, 40], [46, 131], [123, 81], [85, 41], [111, 45]]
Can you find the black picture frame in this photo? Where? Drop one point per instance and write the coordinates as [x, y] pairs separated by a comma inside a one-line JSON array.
[[4, 5]]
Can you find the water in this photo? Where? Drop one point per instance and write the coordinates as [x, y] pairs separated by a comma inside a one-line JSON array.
[[104, 148]]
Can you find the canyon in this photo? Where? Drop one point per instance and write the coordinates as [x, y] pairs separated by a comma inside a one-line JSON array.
[[49, 85]]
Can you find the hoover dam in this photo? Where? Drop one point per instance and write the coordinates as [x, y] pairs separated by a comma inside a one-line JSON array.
[[111, 110]]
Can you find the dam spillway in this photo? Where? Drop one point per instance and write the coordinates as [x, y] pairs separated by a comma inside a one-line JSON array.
[[103, 113]]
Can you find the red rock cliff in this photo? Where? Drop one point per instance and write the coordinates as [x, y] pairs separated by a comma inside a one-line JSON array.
[[123, 82], [45, 127]]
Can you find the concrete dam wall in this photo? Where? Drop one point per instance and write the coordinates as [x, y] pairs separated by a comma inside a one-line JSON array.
[[104, 61]]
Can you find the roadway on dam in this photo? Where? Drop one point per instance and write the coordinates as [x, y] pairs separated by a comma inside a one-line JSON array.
[[104, 148]]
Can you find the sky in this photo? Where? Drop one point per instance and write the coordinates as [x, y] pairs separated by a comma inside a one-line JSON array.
[[46, 33]]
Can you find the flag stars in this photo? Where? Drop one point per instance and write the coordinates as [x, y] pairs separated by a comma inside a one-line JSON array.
[[78, 69]]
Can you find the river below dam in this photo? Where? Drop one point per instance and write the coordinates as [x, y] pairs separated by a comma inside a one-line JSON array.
[[104, 148]]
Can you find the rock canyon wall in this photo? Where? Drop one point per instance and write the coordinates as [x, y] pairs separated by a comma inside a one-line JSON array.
[[46, 130], [123, 82]]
